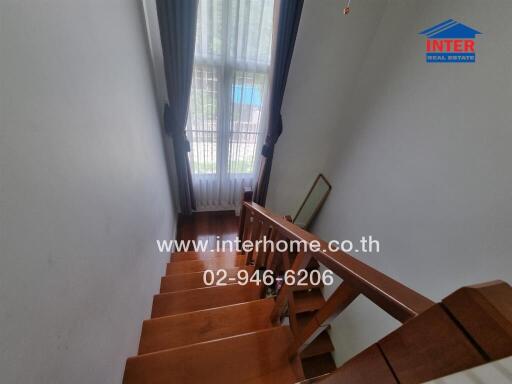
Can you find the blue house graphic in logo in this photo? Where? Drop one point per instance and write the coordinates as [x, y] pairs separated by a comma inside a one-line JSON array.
[[450, 42]]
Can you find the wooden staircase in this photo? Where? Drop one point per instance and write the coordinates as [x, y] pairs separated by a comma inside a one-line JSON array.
[[233, 333], [214, 334]]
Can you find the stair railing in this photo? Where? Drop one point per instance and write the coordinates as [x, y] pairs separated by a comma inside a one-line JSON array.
[[427, 326], [358, 278]]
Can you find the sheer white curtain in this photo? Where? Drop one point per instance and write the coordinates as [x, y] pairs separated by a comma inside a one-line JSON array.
[[228, 101]]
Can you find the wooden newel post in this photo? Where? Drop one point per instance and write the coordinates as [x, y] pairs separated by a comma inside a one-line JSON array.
[[485, 312], [470, 327], [246, 198]]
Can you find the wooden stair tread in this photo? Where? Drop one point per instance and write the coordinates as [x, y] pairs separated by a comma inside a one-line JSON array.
[[322, 344], [220, 262], [174, 303], [318, 365], [192, 255], [258, 357], [210, 324], [306, 301], [183, 281]]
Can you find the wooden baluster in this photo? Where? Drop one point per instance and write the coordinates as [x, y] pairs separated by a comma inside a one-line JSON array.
[[246, 197], [292, 313], [247, 229], [274, 235], [260, 258], [289, 219], [337, 302], [241, 226], [286, 261], [255, 234], [301, 261]]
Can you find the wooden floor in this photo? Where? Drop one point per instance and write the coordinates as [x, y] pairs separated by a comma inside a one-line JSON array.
[[208, 225]]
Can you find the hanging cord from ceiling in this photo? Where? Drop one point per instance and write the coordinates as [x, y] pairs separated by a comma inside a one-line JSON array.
[[346, 10]]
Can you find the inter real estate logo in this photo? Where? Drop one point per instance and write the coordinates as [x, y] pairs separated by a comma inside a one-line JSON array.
[[450, 42]]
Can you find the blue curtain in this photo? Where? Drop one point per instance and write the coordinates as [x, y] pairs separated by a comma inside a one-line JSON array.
[[289, 18], [177, 20]]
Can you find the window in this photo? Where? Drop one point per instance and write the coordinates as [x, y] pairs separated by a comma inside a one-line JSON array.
[[228, 96]]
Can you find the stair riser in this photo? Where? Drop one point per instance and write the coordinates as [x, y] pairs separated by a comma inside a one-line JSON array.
[[192, 256], [224, 262], [174, 303], [180, 282], [196, 327], [240, 359]]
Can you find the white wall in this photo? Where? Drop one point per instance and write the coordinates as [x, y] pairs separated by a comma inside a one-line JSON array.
[[420, 159], [83, 189], [327, 56]]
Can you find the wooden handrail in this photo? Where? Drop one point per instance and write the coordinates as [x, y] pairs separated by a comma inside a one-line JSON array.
[[472, 326], [358, 278], [469, 327], [395, 298]]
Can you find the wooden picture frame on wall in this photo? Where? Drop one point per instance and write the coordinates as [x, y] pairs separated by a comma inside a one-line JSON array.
[[313, 202]]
